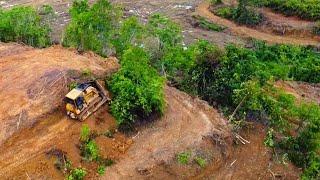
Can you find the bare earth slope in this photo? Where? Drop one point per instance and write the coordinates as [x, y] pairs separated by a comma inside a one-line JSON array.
[[32, 120], [185, 125], [33, 82]]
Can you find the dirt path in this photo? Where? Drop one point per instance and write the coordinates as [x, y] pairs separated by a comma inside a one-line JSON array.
[[203, 10]]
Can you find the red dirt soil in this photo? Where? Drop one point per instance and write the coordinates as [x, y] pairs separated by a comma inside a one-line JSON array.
[[33, 84], [34, 81]]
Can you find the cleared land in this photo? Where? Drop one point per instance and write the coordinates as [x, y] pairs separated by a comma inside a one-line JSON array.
[[33, 83]]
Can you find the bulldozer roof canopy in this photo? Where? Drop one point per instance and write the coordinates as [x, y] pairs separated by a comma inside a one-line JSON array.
[[73, 94]]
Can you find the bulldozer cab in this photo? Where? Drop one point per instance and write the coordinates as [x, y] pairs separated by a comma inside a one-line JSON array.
[[75, 98], [85, 99]]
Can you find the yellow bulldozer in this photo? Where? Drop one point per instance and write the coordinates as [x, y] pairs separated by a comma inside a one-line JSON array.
[[85, 99]]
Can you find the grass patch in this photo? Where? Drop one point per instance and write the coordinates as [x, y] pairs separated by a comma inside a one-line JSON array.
[[201, 162], [77, 174], [184, 157], [101, 170]]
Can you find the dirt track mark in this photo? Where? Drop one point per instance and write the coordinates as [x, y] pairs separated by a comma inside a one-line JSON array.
[[203, 10]]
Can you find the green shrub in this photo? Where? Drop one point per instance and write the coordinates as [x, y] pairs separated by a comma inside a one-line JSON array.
[[247, 16], [184, 157], [304, 149], [77, 174], [201, 162], [86, 73], [72, 85], [137, 89], [131, 32], [90, 151], [101, 170], [242, 14], [203, 23], [168, 32], [24, 24], [269, 140], [92, 28], [101, 29], [176, 61], [215, 2], [225, 12], [45, 10], [85, 133], [107, 162]]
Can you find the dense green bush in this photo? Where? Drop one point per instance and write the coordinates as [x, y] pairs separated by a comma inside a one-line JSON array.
[[242, 14], [102, 29], [131, 32], [215, 2], [92, 28], [168, 32], [304, 150], [24, 24], [176, 61], [90, 151], [85, 133], [225, 12], [89, 148], [137, 89], [201, 162], [241, 76], [246, 15]]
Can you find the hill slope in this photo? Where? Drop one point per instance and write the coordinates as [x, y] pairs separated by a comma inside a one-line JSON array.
[[33, 122]]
